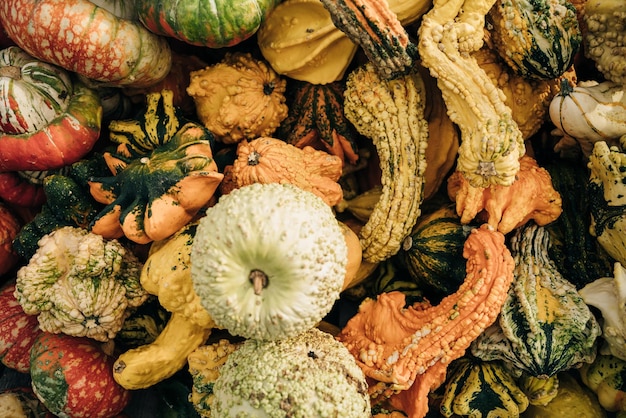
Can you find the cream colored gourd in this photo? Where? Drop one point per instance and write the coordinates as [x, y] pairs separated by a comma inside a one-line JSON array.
[[268, 261], [590, 112]]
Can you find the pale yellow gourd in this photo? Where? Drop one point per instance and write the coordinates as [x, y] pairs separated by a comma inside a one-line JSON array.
[[300, 41], [167, 274], [491, 141]]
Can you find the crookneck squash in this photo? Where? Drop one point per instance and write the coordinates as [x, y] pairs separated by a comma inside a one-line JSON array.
[[544, 327], [537, 39], [270, 160], [163, 174], [268, 261], [59, 32], [492, 143], [405, 349], [167, 275], [400, 135]]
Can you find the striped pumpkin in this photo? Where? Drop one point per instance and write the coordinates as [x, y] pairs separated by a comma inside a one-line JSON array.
[[433, 252], [32, 92], [210, 23]]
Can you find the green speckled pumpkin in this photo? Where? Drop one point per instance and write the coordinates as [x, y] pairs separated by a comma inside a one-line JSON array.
[[210, 23], [73, 377]]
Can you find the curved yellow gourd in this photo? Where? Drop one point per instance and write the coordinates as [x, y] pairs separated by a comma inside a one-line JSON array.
[[167, 274]]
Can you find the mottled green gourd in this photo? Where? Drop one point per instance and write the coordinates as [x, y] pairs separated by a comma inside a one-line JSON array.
[[309, 375], [268, 261], [537, 39], [209, 23], [544, 326]]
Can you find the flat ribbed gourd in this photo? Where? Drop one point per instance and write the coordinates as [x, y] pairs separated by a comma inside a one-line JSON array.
[[268, 261]]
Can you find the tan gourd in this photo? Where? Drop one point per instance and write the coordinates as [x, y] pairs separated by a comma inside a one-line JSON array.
[[391, 114], [240, 97], [300, 40]]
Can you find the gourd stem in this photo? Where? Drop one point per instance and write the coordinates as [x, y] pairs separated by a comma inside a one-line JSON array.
[[259, 280], [268, 88], [253, 158], [11, 71], [566, 87]]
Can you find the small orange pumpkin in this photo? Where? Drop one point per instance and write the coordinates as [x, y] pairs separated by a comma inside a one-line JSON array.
[[238, 98], [270, 160]]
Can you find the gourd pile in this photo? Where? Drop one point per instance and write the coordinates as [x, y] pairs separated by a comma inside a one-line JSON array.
[[313, 208]]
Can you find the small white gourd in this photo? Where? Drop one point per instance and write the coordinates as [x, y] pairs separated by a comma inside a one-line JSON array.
[[590, 112]]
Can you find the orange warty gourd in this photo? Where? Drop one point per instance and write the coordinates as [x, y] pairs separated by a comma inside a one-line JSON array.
[[238, 98], [531, 196], [405, 351], [270, 160]]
